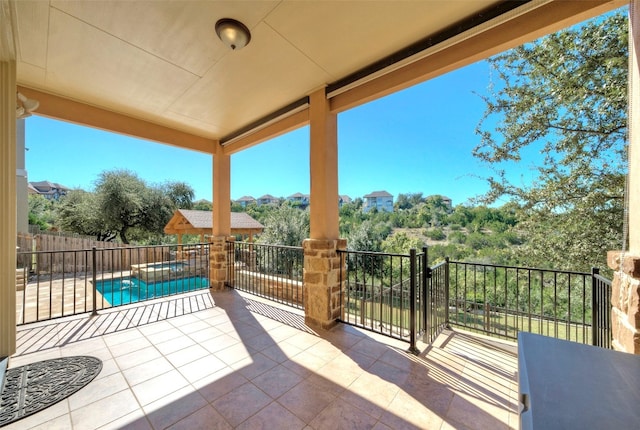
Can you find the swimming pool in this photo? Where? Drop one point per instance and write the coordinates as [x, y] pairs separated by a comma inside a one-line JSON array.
[[122, 291], [171, 266]]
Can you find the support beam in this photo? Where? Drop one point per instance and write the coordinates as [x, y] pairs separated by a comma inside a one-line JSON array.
[[60, 108], [538, 22], [271, 131], [8, 231], [323, 169]]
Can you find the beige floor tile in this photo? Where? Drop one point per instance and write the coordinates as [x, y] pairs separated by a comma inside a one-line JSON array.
[[174, 344], [145, 371], [202, 367], [308, 361], [216, 385], [407, 412], [477, 413], [253, 366], [274, 416], [164, 336], [186, 355], [241, 403], [135, 420], [234, 353], [61, 422], [306, 400], [206, 418], [340, 415], [371, 394], [193, 327], [174, 407], [303, 340], [130, 346], [122, 337], [205, 334], [219, 343], [281, 352], [97, 390], [104, 411], [135, 358], [277, 381], [222, 367], [159, 386]]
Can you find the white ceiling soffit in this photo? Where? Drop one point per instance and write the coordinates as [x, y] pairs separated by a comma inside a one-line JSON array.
[[160, 61]]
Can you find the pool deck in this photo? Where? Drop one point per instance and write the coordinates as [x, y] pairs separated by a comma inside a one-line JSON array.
[[227, 360]]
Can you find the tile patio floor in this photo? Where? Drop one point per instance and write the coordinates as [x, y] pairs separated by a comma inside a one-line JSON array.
[[227, 360]]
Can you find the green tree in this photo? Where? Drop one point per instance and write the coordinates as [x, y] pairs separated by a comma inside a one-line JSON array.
[[202, 205], [120, 200], [78, 212], [565, 96], [400, 243], [41, 211], [180, 193], [285, 225]]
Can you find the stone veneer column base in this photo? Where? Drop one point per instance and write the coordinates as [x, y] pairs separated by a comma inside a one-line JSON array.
[[321, 279], [218, 262], [625, 301]]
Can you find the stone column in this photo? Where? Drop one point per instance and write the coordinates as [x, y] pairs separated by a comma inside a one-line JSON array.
[[625, 291], [221, 218], [625, 301], [321, 280], [322, 284], [218, 250]]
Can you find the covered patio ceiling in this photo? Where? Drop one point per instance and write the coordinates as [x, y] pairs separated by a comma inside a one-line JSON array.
[[156, 69]]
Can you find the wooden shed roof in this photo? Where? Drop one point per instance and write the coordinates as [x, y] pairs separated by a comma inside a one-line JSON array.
[[200, 222]]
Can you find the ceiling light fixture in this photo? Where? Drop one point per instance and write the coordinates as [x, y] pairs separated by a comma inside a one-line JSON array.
[[233, 33], [24, 106]]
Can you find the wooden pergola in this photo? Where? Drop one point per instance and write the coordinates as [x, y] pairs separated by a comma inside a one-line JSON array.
[[199, 223]]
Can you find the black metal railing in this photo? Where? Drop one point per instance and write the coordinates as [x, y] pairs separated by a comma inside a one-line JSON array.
[[53, 284], [601, 306], [437, 301], [504, 300], [270, 271], [386, 293]]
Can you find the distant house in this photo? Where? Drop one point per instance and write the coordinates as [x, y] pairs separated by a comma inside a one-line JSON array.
[[245, 201], [447, 201], [381, 200], [301, 199], [343, 200], [267, 199], [49, 190]]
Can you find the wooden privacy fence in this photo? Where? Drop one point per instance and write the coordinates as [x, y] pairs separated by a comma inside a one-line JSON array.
[[59, 254]]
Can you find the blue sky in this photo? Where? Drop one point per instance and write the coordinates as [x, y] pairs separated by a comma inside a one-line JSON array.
[[417, 140]]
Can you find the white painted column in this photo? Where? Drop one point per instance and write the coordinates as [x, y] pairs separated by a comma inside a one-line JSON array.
[[22, 182], [7, 207]]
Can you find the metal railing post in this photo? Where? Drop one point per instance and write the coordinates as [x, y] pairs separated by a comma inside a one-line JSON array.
[[446, 293], [412, 301], [94, 278], [595, 310], [426, 275]]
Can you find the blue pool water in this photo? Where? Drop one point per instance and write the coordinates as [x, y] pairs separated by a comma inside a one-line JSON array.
[[122, 291]]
